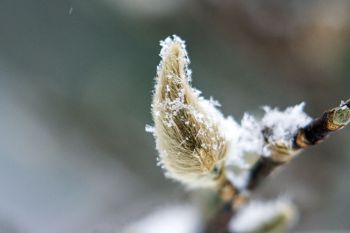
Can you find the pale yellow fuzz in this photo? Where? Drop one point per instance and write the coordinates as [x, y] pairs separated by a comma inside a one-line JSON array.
[[191, 148]]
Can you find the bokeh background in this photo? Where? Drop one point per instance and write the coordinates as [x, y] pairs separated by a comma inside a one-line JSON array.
[[76, 79]]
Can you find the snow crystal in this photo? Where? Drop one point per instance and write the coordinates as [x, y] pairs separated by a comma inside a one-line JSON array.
[[149, 128], [164, 52], [214, 102], [283, 125], [196, 92], [250, 139]]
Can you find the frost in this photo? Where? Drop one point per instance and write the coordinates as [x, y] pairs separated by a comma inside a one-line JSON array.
[[214, 102], [345, 103], [196, 92], [282, 125], [250, 139], [175, 219], [164, 52], [246, 146], [149, 128], [249, 142], [257, 215]]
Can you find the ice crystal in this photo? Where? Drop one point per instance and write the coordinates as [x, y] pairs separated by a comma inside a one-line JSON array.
[[281, 126], [149, 128]]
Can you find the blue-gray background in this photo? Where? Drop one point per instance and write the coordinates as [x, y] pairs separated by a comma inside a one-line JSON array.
[[75, 89]]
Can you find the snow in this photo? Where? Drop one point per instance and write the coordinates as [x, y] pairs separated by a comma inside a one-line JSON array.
[[173, 219], [149, 128], [214, 102], [249, 143], [256, 214], [245, 139], [283, 124]]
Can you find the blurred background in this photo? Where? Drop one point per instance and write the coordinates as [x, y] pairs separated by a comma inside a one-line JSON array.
[[76, 79]]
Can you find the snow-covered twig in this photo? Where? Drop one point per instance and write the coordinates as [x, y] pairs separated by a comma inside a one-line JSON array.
[[311, 134], [201, 148]]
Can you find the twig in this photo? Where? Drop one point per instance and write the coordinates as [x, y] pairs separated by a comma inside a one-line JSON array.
[[262, 169], [231, 200], [193, 145], [320, 128], [312, 134], [219, 224]]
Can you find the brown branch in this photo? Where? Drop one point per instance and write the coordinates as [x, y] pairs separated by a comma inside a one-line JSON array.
[[320, 128], [230, 201], [262, 169], [312, 134], [219, 224]]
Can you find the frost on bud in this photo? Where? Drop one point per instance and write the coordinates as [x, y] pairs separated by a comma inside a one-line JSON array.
[[187, 127], [265, 217], [279, 129]]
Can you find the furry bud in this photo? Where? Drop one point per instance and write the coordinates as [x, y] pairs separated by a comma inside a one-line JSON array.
[[187, 127]]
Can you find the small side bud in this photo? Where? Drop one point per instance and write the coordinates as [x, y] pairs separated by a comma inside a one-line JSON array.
[[187, 127]]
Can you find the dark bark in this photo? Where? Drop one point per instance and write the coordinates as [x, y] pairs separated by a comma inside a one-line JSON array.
[[263, 167], [219, 224]]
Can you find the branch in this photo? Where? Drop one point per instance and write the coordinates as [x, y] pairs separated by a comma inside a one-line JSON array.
[[311, 134], [320, 128], [263, 167], [219, 224]]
